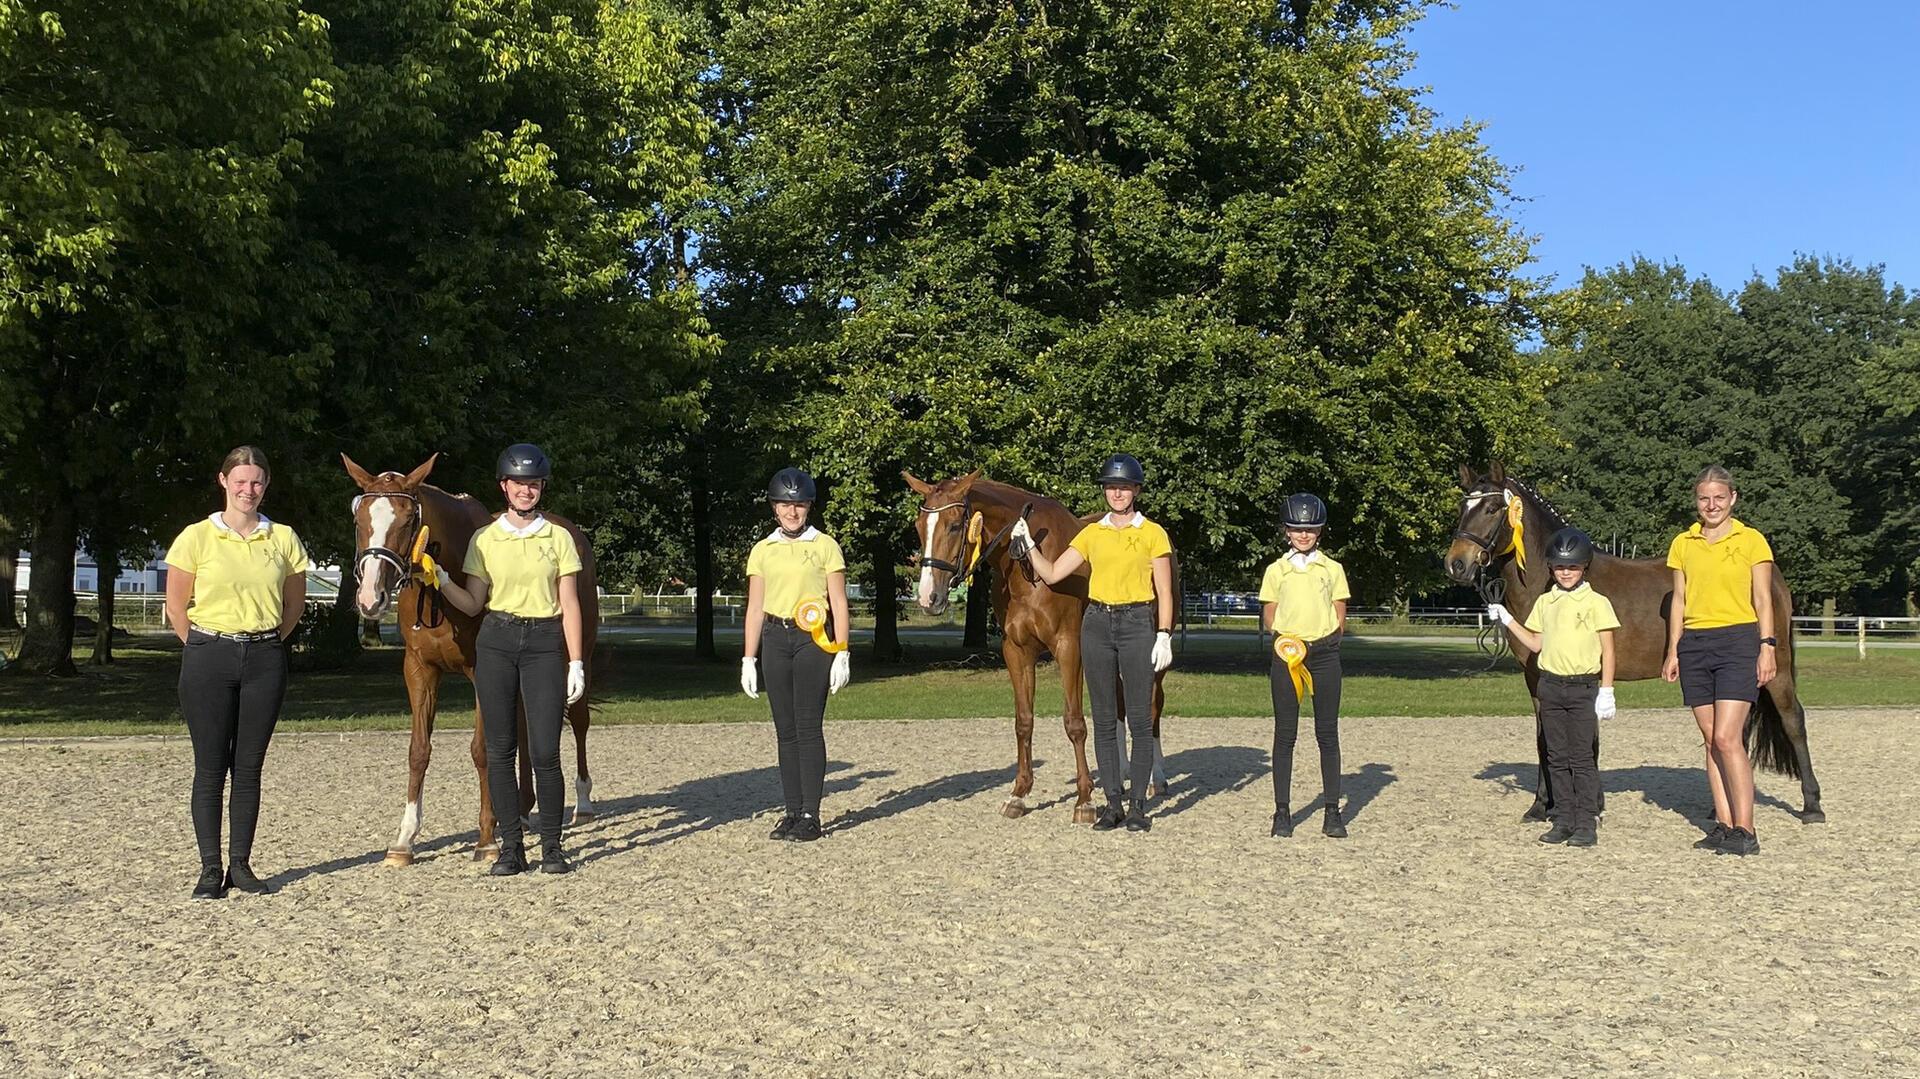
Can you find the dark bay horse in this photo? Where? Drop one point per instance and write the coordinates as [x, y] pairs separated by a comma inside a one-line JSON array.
[[439, 638], [1641, 591], [1034, 618]]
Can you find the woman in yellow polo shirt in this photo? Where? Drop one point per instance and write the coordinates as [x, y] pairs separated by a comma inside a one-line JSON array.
[[1304, 602], [524, 570], [1720, 646], [236, 584], [794, 576], [1127, 634]]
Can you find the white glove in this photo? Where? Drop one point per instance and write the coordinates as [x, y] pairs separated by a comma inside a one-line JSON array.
[[749, 678], [1603, 706], [576, 680], [841, 674], [1021, 542], [1162, 651], [1499, 613]]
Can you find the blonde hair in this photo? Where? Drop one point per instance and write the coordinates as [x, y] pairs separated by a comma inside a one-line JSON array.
[[1715, 474], [246, 455]]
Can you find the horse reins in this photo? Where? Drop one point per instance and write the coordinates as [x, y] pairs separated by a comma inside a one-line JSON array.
[[1491, 638], [426, 608], [956, 574]]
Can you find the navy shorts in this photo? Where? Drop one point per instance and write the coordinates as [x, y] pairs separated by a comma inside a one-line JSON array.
[[1718, 664]]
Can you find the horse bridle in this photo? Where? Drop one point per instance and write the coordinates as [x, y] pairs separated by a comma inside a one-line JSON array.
[[1485, 543], [1491, 639], [956, 573], [401, 560]]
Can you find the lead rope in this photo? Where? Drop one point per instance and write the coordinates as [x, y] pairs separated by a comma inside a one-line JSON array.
[[1492, 637]]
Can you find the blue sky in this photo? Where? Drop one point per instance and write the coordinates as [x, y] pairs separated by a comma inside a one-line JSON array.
[[1723, 136]]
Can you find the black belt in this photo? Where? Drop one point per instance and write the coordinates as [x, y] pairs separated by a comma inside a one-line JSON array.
[[1099, 606], [518, 620], [243, 638], [1587, 681], [787, 622]]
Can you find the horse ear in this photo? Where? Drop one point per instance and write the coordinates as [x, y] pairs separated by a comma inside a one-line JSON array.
[[360, 475], [1466, 478], [920, 487], [967, 481], [419, 475], [1497, 472]]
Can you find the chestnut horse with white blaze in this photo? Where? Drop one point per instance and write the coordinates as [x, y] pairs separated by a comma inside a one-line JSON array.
[[391, 518], [1504, 523], [1034, 617]]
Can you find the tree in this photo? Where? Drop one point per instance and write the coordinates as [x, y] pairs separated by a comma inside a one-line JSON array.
[[1225, 237], [148, 163]]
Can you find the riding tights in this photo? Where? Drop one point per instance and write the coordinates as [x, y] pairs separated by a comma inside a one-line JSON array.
[[522, 659], [230, 694], [1116, 651], [1323, 663], [796, 672]]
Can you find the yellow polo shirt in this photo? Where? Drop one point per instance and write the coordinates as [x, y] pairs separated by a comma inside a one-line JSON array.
[[1303, 596], [792, 570], [1121, 558], [1569, 625], [1719, 574], [522, 566], [237, 580]]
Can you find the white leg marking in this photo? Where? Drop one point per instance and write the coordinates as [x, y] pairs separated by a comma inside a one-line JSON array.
[[1159, 766], [409, 826], [582, 796]]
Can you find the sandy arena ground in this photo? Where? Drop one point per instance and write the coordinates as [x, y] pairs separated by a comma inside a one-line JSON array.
[[927, 935]]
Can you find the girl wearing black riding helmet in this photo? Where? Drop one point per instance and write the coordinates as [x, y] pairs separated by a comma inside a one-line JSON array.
[[796, 576], [523, 570], [1126, 637], [1303, 601]]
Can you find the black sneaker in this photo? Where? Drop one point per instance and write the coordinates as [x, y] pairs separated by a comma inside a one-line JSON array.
[[1282, 823], [1715, 836], [1559, 833], [1331, 827], [1137, 819], [805, 829], [1110, 818], [1741, 842], [512, 861], [784, 830], [554, 860], [1584, 837], [212, 883], [240, 875]]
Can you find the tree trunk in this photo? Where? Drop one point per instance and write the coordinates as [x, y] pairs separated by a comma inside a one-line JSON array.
[[979, 593], [108, 563], [886, 610], [345, 621], [702, 515], [9, 570], [48, 646]]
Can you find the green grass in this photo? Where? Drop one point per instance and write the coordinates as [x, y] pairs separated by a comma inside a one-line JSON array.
[[650, 678]]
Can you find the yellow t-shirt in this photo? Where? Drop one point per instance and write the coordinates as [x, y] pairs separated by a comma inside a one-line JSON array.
[[1569, 625], [522, 567], [1121, 558], [237, 580], [1303, 596], [792, 570], [1719, 574]]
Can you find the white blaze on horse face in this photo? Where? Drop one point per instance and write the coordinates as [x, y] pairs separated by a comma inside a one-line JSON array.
[[380, 516], [926, 561]]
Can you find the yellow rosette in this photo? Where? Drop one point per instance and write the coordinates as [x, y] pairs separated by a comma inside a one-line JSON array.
[[1516, 514], [422, 561], [811, 615], [975, 527], [1293, 651]]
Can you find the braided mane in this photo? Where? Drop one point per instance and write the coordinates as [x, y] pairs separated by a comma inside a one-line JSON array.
[[1527, 491]]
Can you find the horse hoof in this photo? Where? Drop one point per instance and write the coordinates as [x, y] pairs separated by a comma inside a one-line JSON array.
[[1534, 815], [1084, 813], [582, 816], [1014, 809], [1155, 790], [399, 857], [486, 854], [1815, 815]]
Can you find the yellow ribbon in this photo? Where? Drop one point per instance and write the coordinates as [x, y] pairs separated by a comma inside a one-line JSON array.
[[1516, 514], [1294, 651], [975, 527], [429, 571], [811, 615]]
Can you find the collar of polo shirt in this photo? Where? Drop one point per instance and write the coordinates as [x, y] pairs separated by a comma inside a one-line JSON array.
[[263, 528], [803, 537], [1734, 527], [1139, 519], [521, 533], [1302, 561]]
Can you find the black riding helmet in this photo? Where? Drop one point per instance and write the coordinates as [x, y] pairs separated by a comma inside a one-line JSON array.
[[790, 485], [1122, 468], [1305, 511], [1569, 547], [523, 461]]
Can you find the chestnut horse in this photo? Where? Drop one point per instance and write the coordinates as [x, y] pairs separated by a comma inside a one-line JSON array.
[[439, 638], [1641, 591], [1034, 618]]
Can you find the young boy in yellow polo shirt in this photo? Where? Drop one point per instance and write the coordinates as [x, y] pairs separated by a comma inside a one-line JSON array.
[[1571, 629]]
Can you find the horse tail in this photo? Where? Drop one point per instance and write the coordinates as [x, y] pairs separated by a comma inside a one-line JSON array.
[[1768, 743]]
